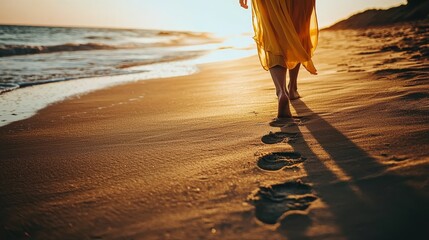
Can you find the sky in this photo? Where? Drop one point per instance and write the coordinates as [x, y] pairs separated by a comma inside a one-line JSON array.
[[219, 16]]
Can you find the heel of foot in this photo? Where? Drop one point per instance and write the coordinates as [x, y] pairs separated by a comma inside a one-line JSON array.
[[284, 108]]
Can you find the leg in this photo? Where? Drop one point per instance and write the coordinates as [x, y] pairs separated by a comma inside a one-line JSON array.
[[278, 74], [293, 83]]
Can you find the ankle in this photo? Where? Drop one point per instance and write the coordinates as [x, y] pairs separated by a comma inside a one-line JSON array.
[[283, 94]]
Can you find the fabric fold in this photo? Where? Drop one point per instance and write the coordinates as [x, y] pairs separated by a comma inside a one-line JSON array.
[[286, 32]]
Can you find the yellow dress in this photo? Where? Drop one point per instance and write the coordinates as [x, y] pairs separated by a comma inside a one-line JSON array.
[[286, 32]]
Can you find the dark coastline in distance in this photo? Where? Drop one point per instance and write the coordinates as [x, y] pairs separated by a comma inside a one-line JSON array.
[[414, 10]]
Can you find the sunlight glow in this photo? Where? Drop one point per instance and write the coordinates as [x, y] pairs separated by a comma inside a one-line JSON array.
[[219, 16]]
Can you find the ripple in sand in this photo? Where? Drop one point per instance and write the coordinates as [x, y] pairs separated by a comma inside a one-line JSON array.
[[274, 201], [278, 160]]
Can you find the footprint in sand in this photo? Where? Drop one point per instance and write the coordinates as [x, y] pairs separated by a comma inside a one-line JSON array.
[[274, 201], [289, 122], [278, 137], [278, 160]]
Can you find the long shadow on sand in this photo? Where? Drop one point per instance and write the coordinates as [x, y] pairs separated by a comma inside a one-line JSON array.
[[374, 204]]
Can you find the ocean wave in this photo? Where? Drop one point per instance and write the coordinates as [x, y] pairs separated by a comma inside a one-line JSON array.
[[6, 87], [99, 38], [13, 50]]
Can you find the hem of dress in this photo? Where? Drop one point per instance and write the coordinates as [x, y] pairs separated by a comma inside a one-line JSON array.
[[285, 64]]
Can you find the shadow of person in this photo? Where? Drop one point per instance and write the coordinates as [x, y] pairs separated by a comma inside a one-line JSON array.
[[374, 203]]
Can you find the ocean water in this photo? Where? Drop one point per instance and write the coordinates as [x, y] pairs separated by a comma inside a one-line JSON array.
[[36, 55], [43, 65]]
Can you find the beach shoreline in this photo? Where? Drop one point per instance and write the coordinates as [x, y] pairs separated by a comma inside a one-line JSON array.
[[192, 157], [23, 102]]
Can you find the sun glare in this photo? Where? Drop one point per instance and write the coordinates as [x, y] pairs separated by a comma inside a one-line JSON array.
[[224, 17]]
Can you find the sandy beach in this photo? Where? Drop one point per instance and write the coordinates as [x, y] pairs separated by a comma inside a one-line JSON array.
[[200, 157]]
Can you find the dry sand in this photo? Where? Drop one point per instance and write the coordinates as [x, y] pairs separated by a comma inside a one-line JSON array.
[[193, 158]]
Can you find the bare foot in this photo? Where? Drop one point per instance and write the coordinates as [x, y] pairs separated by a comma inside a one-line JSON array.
[[284, 108], [293, 95]]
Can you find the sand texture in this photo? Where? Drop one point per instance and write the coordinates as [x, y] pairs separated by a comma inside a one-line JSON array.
[[200, 157]]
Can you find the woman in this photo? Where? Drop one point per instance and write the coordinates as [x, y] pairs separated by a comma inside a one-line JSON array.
[[286, 34]]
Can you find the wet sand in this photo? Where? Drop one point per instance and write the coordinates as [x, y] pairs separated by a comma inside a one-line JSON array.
[[200, 157]]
